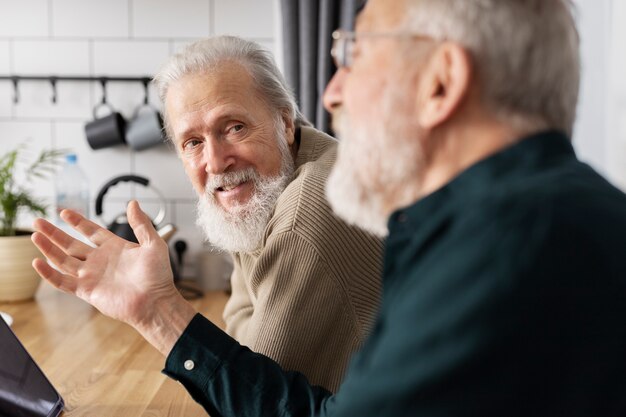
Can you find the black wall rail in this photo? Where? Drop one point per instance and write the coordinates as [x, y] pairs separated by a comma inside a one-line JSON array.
[[53, 79]]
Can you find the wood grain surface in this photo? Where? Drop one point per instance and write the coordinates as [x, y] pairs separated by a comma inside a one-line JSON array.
[[101, 367]]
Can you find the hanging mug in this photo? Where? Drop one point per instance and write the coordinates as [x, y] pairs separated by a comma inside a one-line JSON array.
[[145, 129], [106, 131]]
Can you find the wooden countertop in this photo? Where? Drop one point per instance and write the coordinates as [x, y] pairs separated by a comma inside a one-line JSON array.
[[102, 367]]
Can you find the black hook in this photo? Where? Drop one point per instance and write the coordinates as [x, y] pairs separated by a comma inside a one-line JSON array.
[[145, 88], [53, 82], [103, 82], [16, 91]]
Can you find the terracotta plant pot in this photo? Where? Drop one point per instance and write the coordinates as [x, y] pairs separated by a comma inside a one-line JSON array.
[[18, 279]]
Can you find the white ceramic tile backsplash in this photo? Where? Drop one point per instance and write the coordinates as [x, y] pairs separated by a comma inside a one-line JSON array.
[[170, 19], [50, 57], [24, 18], [129, 57], [14, 133], [254, 18], [114, 38], [112, 18], [6, 100], [5, 67], [73, 101]]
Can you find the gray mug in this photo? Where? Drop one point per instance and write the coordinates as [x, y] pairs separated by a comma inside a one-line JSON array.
[[107, 131], [145, 129]]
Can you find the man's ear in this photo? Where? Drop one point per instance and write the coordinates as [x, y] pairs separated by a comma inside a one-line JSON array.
[[444, 84], [290, 128]]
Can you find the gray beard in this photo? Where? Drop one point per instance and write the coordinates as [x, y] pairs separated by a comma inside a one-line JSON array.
[[242, 228], [376, 169], [348, 196]]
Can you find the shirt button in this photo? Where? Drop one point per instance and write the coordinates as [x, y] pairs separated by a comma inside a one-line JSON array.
[[189, 365]]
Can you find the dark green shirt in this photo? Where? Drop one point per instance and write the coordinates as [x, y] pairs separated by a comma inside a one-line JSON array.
[[504, 295]]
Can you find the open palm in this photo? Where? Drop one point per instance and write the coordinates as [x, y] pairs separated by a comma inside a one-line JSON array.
[[118, 277]]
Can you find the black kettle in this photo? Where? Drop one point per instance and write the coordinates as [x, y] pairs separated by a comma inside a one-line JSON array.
[[120, 225]]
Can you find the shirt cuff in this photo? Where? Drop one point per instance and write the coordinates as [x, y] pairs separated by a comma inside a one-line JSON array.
[[197, 355]]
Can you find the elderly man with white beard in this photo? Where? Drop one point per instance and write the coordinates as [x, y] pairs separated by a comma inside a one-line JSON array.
[[504, 271], [305, 285]]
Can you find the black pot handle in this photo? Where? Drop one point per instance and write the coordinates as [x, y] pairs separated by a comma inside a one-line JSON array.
[[122, 178]]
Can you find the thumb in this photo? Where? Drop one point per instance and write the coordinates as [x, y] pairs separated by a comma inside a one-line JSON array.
[[141, 224]]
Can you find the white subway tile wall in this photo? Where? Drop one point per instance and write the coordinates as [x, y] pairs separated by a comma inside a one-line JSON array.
[[249, 18], [50, 56], [173, 19], [68, 18], [114, 38], [129, 57], [24, 18], [35, 101], [5, 54], [6, 101]]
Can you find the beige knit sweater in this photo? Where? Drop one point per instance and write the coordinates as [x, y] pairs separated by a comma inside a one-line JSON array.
[[307, 298]]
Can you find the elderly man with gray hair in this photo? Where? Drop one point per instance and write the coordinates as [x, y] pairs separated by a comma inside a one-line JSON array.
[[504, 274], [305, 284]]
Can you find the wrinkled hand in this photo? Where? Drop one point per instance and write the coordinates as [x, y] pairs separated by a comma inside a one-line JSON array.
[[123, 280]]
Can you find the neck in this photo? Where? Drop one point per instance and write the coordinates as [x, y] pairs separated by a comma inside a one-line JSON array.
[[457, 151]]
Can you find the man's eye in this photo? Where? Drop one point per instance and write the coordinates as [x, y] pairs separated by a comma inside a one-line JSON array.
[[190, 144], [236, 128]]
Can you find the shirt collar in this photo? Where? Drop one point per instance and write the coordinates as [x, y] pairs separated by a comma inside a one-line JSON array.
[[524, 156]]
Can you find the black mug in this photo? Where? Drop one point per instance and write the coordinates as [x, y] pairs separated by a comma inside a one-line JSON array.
[[107, 131]]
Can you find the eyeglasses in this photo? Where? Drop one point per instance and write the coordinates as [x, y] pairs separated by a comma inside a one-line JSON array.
[[342, 50]]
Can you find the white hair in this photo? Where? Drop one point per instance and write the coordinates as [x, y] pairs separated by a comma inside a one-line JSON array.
[[207, 55], [525, 53]]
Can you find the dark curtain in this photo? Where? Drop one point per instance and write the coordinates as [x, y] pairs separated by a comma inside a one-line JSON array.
[[307, 29]]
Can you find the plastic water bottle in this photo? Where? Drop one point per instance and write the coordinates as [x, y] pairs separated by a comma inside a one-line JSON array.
[[72, 188]]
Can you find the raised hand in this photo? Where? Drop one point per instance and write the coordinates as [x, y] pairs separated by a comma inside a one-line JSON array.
[[124, 280]]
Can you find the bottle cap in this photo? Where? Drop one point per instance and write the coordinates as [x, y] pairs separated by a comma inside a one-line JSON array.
[[71, 158]]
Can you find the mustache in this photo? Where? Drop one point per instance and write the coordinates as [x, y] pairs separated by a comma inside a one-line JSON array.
[[231, 178]]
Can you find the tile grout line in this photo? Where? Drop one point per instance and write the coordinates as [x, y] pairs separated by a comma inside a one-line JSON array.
[[53, 136], [12, 71], [131, 34], [211, 18], [50, 20]]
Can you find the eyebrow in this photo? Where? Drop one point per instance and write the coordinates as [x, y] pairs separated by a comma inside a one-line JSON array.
[[229, 113]]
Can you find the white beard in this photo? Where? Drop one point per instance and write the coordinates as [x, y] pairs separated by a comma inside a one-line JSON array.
[[241, 228], [378, 164]]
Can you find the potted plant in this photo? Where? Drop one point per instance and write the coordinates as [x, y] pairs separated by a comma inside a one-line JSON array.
[[18, 280]]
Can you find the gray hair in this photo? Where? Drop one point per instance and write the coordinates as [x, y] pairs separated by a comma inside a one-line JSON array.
[[206, 55], [525, 53]]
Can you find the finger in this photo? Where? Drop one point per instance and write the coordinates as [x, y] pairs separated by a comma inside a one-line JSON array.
[[65, 262], [58, 280], [65, 242], [141, 224], [92, 231]]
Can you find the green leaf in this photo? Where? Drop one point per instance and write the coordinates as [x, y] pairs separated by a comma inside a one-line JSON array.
[[14, 198]]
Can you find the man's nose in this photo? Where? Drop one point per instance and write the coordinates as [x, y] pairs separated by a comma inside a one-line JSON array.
[[334, 90], [218, 157]]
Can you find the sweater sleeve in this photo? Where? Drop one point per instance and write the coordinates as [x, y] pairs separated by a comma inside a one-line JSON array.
[[239, 307], [301, 318]]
